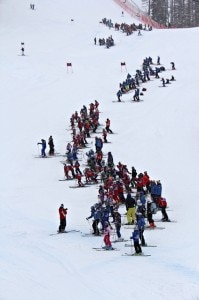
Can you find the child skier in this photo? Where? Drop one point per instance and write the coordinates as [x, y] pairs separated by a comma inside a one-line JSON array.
[[163, 82], [136, 95], [108, 124], [104, 134], [79, 181], [118, 223], [141, 225], [43, 147], [107, 233], [135, 237], [162, 203]]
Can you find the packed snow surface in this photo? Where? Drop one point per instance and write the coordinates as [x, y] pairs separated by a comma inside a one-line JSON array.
[[159, 135]]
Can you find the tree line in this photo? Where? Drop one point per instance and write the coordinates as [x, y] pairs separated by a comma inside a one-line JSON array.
[[173, 13]]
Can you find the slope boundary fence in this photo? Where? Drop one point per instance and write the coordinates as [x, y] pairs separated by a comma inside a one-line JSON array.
[[131, 8]]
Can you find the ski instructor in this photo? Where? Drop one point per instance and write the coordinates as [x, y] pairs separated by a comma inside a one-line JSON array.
[[62, 215]]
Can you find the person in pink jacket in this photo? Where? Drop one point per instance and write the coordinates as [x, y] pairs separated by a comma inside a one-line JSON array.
[[107, 233]]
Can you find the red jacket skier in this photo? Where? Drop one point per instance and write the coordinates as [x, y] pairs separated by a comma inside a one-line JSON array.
[[62, 216]]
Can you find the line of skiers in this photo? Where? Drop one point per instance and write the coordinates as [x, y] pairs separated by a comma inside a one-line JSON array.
[[124, 27], [83, 124], [116, 180], [143, 76]]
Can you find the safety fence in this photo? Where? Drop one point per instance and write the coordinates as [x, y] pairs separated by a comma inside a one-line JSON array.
[[132, 9]]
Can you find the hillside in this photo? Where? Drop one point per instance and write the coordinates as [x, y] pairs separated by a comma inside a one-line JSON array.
[[159, 135]]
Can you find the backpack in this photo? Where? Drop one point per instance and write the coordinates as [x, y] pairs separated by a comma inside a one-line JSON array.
[[162, 202]]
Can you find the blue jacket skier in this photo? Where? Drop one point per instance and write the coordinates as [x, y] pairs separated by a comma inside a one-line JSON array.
[[119, 94], [43, 147], [135, 237], [136, 95], [141, 225]]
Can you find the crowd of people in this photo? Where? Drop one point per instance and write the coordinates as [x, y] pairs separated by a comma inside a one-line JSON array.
[[108, 42], [128, 29], [118, 185], [149, 69]]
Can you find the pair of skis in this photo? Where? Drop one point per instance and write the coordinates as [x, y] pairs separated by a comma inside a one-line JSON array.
[[67, 231], [130, 245], [125, 254], [146, 228], [108, 250]]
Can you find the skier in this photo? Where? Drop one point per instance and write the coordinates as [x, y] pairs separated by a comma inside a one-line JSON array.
[[95, 40], [173, 66], [130, 207], [141, 225], [110, 161], [32, 6], [92, 216], [96, 215], [96, 104], [43, 147], [71, 169], [136, 95], [135, 237], [118, 224], [157, 192], [150, 213], [104, 134], [77, 169], [162, 203], [172, 78], [105, 212], [51, 146], [66, 170], [146, 180], [163, 82], [22, 51], [158, 60], [79, 181], [119, 94], [108, 123], [107, 242], [98, 144], [133, 174], [62, 215]]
